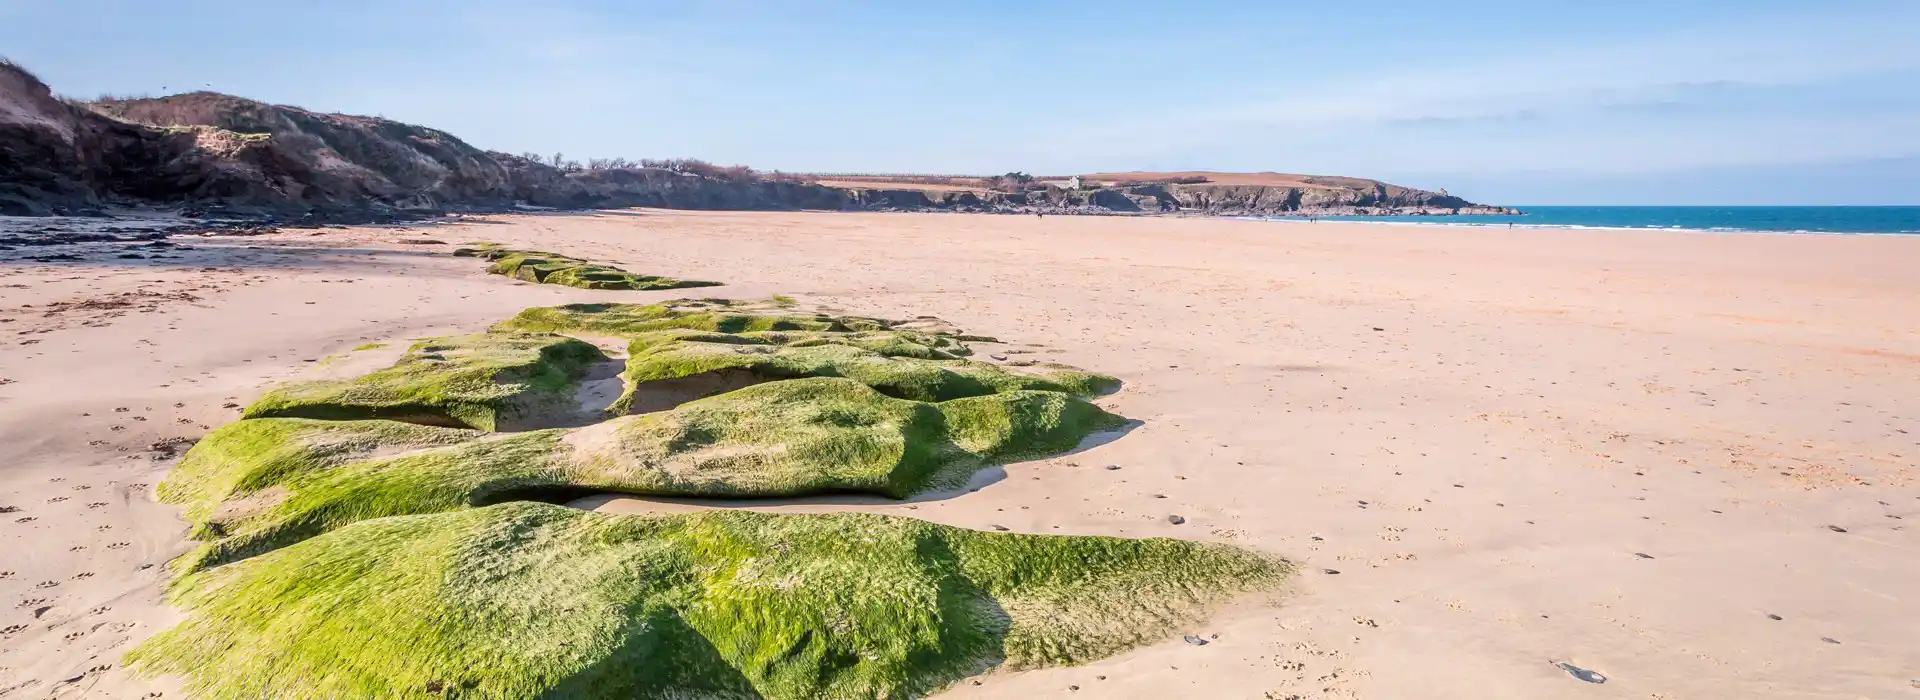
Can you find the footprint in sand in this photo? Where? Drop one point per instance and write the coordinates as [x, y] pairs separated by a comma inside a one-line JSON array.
[[1587, 675]]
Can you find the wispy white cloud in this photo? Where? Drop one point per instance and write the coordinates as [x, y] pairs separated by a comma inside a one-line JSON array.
[[1539, 83]]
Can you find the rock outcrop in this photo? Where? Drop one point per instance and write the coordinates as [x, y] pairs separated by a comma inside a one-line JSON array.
[[397, 558], [1325, 196], [543, 185], [542, 267], [61, 157]]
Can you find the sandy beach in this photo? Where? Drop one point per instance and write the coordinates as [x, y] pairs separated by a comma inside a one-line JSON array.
[[1681, 462]]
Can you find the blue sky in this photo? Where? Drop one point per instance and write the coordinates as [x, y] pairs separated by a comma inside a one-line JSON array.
[[1625, 102]]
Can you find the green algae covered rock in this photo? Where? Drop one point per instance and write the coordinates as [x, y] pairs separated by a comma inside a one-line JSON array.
[[375, 538], [227, 472], [737, 343], [260, 484], [829, 435], [477, 381], [523, 600], [551, 268], [715, 315], [901, 364]]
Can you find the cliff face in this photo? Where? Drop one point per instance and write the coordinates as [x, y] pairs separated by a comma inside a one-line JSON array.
[[225, 154], [1372, 198], [1271, 200], [1270, 193], [337, 160], [58, 157], [539, 184]]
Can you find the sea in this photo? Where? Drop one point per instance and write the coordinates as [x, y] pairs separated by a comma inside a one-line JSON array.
[[1891, 220]]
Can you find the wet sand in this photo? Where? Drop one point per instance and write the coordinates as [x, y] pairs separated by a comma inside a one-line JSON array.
[[1684, 461]]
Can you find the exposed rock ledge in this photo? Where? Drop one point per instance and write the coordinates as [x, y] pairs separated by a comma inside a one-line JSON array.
[[1378, 199]]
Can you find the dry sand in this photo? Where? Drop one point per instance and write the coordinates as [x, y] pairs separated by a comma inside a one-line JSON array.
[[1632, 452]]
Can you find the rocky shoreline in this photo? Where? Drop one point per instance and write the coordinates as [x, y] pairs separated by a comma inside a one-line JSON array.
[[1152, 200]]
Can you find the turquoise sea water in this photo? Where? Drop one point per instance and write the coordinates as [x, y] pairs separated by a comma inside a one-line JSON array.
[[1857, 220]]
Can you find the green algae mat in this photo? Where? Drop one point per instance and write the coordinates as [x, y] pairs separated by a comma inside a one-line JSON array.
[[256, 484], [675, 343], [523, 600], [368, 547], [552, 268], [714, 315], [476, 381]]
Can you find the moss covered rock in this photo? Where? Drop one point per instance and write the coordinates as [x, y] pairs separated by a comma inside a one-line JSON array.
[[477, 381], [238, 466], [526, 600], [715, 315], [681, 339], [419, 556], [250, 488], [828, 435], [902, 364], [551, 268]]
